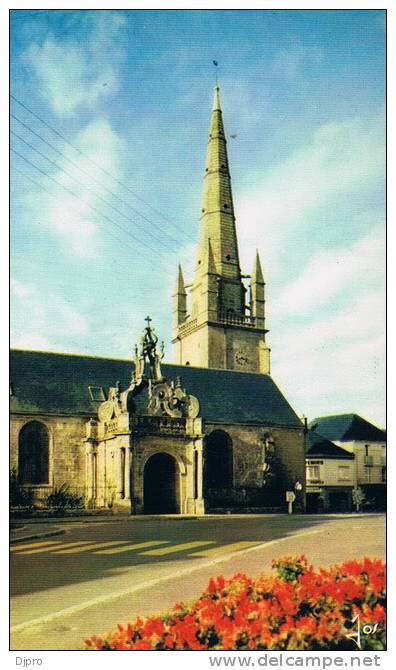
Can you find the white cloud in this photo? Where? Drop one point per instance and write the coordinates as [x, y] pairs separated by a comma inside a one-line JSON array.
[[290, 62], [18, 289], [68, 78], [336, 363], [76, 219], [340, 159], [330, 271], [43, 320], [71, 74]]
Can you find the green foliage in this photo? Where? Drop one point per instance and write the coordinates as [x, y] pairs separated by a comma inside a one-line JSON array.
[[19, 496], [63, 498], [290, 569]]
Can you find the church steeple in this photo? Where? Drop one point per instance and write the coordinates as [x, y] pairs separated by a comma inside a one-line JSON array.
[[221, 330], [217, 221]]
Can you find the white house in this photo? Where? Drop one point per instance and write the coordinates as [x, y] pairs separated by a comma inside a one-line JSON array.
[[330, 475], [367, 443]]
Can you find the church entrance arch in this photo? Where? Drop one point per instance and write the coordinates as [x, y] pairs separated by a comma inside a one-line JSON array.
[[218, 469], [160, 486]]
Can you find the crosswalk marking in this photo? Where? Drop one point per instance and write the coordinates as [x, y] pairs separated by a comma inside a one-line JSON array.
[[110, 548], [131, 547], [88, 546], [22, 547], [163, 551], [235, 546], [54, 547]]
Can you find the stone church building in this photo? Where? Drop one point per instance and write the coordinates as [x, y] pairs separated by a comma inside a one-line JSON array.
[[210, 431]]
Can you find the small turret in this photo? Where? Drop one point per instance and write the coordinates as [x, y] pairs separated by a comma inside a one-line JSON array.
[[257, 294], [179, 300], [209, 285]]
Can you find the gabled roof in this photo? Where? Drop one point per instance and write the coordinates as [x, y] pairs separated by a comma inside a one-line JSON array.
[[317, 445], [346, 428], [51, 383]]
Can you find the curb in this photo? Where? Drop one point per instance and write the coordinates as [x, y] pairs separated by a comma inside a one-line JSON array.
[[37, 536]]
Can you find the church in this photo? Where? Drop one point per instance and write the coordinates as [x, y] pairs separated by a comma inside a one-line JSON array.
[[212, 431]]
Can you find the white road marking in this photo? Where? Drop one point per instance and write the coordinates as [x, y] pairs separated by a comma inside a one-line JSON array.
[[175, 548], [87, 547], [33, 545], [212, 551], [150, 583], [131, 547]]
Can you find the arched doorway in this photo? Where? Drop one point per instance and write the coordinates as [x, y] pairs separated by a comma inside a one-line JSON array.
[[160, 492], [218, 473], [33, 454]]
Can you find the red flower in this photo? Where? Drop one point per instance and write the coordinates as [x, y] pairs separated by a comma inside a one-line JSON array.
[[298, 610]]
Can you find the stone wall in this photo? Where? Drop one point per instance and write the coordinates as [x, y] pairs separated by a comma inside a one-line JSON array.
[[66, 450], [248, 444], [68, 456]]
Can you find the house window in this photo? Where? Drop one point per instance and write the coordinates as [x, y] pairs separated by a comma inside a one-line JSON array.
[[344, 473], [313, 472]]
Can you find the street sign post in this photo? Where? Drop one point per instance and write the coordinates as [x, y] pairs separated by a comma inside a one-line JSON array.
[[290, 498]]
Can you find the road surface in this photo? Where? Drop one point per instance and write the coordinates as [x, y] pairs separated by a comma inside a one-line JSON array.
[[67, 587]]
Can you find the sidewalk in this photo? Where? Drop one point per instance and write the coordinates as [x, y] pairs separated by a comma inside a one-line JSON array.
[[21, 532]]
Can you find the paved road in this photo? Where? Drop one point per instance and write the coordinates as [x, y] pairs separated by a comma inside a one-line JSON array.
[[67, 587]]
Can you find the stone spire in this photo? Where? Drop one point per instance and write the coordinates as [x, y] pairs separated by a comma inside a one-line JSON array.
[[179, 300], [220, 329], [257, 274], [217, 220], [257, 293]]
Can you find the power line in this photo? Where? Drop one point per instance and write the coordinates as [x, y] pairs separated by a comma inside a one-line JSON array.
[[136, 211], [36, 183], [141, 242], [157, 211], [108, 204], [55, 262]]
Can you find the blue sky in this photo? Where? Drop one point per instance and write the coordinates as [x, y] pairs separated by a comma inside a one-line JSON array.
[[98, 229]]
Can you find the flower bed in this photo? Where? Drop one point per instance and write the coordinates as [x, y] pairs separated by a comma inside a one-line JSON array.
[[298, 609]]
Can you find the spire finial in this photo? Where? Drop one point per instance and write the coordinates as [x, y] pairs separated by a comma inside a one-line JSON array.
[[216, 99], [216, 64]]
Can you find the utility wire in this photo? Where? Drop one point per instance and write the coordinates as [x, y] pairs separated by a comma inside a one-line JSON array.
[[136, 211], [55, 262], [106, 202], [157, 211], [139, 241], [36, 183]]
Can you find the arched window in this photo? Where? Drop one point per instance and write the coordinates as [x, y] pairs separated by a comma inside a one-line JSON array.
[[218, 461], [33, 454]]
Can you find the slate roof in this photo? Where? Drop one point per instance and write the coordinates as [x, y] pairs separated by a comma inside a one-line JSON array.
[[52, 383], [319, 446], [346, 428]]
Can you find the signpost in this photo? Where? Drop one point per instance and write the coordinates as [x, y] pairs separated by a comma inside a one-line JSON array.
[[290, 498]]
